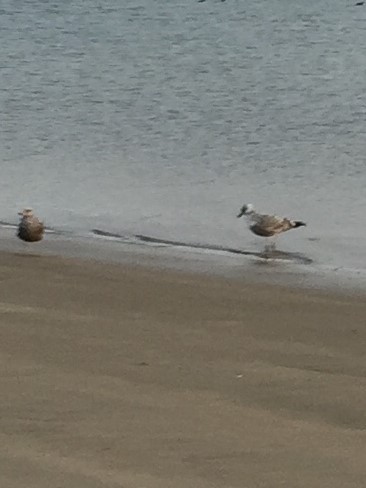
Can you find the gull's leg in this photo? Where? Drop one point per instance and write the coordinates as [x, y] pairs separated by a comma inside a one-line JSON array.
[[270, 244], [273, 243], [267, 246]]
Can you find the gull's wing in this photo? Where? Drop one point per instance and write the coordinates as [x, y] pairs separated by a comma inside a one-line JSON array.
[[30, 229], [271, 224]]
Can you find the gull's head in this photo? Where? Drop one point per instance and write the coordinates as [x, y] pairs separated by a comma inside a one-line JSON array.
[[246, 210], [26, 212]]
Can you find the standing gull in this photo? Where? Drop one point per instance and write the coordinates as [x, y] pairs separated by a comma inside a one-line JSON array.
[[267, 225], [30, 229]]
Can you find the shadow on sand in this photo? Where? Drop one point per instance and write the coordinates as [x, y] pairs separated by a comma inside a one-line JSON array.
[[271, 255]]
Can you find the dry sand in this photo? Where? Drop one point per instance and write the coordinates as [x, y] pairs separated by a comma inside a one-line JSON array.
[[137, 378]]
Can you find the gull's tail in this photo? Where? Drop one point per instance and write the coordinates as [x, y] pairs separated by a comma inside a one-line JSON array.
[[298, 223]]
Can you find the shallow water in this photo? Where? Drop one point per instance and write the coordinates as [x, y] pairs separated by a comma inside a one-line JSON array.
[[160, 119]]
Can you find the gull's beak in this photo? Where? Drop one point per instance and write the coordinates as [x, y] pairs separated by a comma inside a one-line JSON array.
[[240, 214]]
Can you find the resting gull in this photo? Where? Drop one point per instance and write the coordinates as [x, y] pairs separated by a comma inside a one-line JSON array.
[[30, 229], [267, 225]]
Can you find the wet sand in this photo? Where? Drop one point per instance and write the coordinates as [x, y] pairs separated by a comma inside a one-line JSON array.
[[120, 376]]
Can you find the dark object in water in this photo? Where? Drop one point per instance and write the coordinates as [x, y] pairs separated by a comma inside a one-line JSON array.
[[358, 4], [30, 229]]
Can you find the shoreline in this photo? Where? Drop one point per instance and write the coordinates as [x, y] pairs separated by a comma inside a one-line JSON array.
[[128, 375], [288, 269]]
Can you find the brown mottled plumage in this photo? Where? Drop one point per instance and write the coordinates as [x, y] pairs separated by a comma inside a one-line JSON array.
[[30, 229], [267, 225]]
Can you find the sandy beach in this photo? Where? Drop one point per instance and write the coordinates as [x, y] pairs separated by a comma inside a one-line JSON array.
[[121, 376]]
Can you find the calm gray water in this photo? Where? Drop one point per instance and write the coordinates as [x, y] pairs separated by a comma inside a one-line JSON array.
[[162, 118]]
